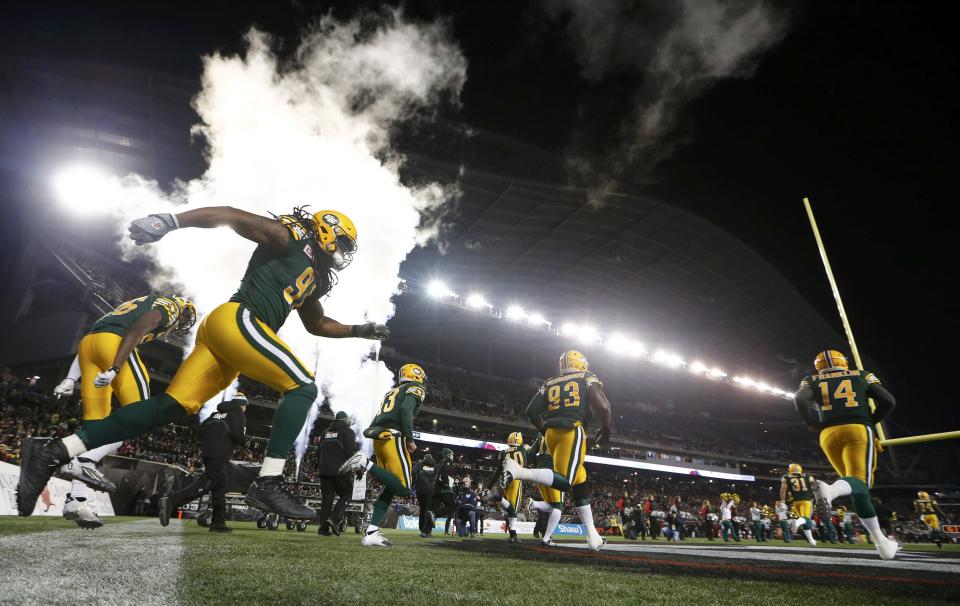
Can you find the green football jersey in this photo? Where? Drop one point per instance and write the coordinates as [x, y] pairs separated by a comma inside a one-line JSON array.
[[538, 455], [799, 486], [124, 316], [276, 284], [520, 454], [841, 395], [562, 400], [925, 506], [397, 403]]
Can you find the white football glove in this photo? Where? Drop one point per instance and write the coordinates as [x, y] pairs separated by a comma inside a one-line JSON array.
[[106, 377], [65, 388], [151, 228]]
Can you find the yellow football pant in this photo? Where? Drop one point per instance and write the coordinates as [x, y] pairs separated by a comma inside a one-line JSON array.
[[568, 445], [550, 495], [96, 354], [804, 509], [851, 450], [392, 455], [232, 341], [513, 492], [932, 521]]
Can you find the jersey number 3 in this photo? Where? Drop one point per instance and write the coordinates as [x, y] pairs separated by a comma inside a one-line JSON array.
[[572, 389]]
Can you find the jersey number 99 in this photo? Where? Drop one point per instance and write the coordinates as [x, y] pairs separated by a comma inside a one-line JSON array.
[[298, 292]]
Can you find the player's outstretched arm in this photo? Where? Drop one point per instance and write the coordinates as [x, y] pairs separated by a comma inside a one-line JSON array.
[[147, 322], [535, 410], [317, 323], [261, 230], [601, 406], [882, 399], [783, 490]]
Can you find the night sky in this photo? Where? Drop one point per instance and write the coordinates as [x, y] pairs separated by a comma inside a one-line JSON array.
[[854, 107]]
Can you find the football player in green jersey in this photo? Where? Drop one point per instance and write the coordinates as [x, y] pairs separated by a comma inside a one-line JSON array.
[[293, 265], [796, 487], [108, 364], [509, 496], [834, 401], [392, 434], [560, 410]]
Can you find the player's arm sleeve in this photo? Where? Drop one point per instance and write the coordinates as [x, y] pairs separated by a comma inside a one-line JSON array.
[[599, 402], [407, 407], [806, 408], [882, 399], [535, 409], [261, 230]]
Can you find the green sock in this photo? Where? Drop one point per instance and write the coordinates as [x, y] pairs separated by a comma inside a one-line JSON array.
[[861, 497], [511, 512], [288, 421], [380, 507], [131, 421], [389, 480]]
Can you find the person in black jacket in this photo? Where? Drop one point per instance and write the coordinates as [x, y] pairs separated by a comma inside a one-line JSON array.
[[338, 444], [219, 434], [444, 501], [425, 475]]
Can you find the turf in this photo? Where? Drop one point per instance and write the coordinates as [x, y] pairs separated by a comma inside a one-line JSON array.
[[252, 566]]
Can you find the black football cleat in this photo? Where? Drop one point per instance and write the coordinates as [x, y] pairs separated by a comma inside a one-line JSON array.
[[40, 458], [220, 527], [334, 528], [267, 494]]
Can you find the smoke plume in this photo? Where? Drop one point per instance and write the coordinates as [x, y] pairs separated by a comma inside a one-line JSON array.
[[674, 51], [315, 129]]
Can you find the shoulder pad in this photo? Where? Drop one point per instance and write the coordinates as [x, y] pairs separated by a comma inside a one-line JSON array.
[[172, 309], [293, 226], [871, 379], [417, 392], [592, 379]]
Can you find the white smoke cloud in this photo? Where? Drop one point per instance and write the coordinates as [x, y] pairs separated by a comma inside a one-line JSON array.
[[314, 130], [676, 49]]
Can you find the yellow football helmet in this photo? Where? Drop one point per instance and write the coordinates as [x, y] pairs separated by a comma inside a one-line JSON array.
[[922, 495], [841, 512], [412, 372], [794, 468], [573, 360], [337, 235], [515, 439], [187, 315], [830, 358]]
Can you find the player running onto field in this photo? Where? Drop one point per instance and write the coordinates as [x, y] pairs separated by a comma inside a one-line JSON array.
[[107, 364], [797, 487], [834, 402], [293, 265], [560, 410], [392, 434], [509, 496], [928, 509]]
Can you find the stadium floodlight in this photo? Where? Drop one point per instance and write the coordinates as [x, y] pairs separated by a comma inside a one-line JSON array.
[[81, 188], [762, 386], [570, 329], [667, 359], [698, 367], [439, 290], [536, 319], [516, 313], [637, 349], [477, 301], [618, 344], [716, 373], [588, 335]]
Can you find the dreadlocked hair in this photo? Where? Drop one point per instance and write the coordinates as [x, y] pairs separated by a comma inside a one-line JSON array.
[[322, 263]]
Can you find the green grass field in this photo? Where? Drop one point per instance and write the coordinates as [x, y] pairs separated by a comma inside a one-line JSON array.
[[253, 566]]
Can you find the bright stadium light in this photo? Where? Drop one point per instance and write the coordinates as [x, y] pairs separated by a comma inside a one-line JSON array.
[[570, 329], [536, 319], [716, 373], [698, 367], [618, 344], [588, 335], [439, 290], [516, 313], [667, 359], [637, 349], [477, 301], [81, 188]]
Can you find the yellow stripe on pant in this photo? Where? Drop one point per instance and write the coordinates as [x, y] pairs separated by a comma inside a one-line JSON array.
[[392, 455], [568, 446], [232, 341], [851, 450], [96, 353]]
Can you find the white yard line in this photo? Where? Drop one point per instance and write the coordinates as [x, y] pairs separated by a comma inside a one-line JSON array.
[[121, 563], [812, 555]]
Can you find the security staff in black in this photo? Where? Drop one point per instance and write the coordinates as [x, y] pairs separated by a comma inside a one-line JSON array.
[[219, 434], [444, 501], [338, 444], [424, 477]]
